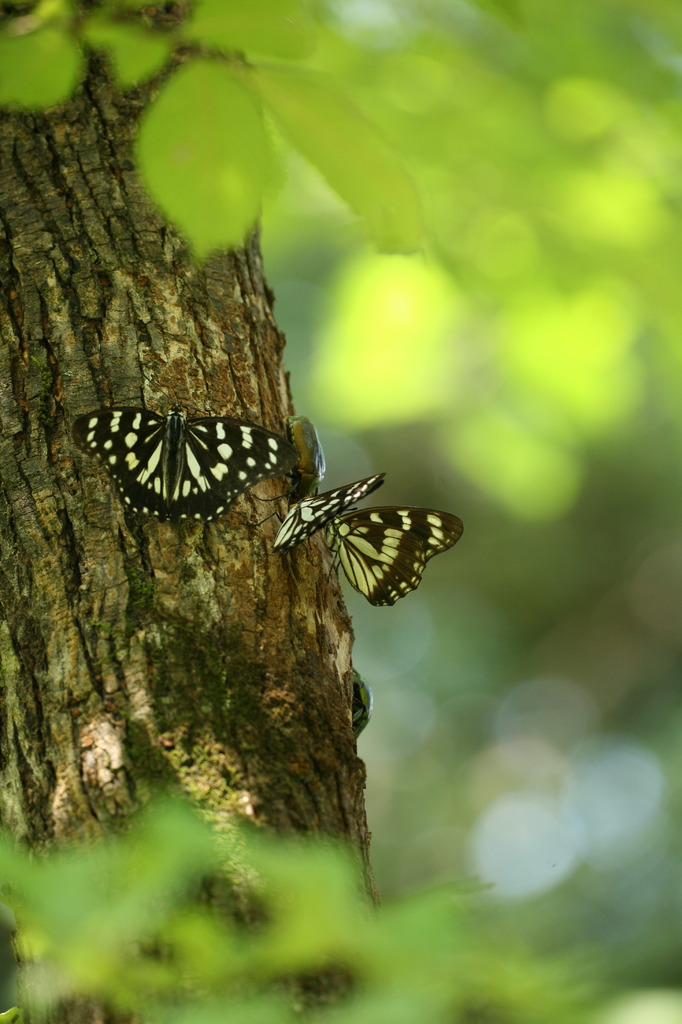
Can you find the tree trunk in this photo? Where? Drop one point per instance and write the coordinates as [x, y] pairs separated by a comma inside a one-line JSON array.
[[138, 654]]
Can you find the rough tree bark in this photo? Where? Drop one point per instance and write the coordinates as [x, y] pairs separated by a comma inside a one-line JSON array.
[[137, 654]]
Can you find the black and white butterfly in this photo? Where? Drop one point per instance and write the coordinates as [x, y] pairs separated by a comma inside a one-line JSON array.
[[175, 468], [311, 514], [383, 551]]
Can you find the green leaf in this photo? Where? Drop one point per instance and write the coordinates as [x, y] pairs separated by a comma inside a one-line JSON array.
[[256, 1009], [39, 69], [13, 1016], [297, 879], [205, 156], [136, 53], [280, 28], [334, 136]]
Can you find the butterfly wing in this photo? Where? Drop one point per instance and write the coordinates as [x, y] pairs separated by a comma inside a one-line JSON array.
[[383, 551], [128, 441], [223, 458], [178, 469], [310, 514]]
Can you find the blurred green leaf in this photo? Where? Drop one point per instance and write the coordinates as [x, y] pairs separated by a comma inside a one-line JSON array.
[[119, 5], [45, 12], [334, 136], [259, 1009], [298, 878], [86, 907], [39, 69], [13, 1016], [121, 920], [280, 28], [136, 53], [209, 949], [205, 156]]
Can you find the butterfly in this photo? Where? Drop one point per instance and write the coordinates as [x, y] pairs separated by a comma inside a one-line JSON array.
[[311, 514], [383, 551], [310, 469], [363, 703], [178, 468]]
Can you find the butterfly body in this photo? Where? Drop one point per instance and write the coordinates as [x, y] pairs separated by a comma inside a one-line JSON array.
[[173, 457], [175, 468], [308, 515], [310, 470], [383, 551]]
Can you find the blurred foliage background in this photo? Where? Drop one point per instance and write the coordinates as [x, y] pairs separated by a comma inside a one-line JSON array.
[[524, 373]]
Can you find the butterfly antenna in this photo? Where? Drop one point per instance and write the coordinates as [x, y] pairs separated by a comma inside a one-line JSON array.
[[275, 513]]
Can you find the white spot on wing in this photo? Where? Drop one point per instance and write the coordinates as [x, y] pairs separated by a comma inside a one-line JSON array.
[[151, 464], [192, 463]]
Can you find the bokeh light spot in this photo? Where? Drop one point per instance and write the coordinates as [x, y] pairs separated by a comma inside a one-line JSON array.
[[551, 708], [576, 353], [385, 354], [617, 787], [662, 1006], [502, 244], [524, 844], [534, 478], [579, 109], [612, 205]]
